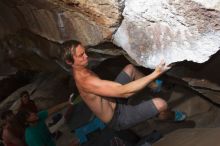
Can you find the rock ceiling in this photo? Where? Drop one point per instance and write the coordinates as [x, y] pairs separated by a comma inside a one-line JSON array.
[[147, 30]]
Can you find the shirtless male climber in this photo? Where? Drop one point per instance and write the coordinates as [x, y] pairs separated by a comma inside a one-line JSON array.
[[100, 95]]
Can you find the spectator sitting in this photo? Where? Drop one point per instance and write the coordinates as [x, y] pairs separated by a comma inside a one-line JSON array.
[[36, 131], [29, 105]]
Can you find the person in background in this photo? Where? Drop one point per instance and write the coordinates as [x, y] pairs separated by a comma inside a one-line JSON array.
[[13, 133], [36, 131], [27, 103]]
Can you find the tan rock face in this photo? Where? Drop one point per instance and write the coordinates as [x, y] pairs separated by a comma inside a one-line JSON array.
[[90, 22], [103, 12]]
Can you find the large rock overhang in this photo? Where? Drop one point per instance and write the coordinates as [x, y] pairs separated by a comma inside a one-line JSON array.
[[172, 30]]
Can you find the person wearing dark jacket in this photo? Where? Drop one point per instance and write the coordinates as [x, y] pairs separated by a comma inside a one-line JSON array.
[[26, 103]]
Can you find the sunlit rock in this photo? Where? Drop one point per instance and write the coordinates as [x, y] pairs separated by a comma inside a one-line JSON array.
[[171, 30]]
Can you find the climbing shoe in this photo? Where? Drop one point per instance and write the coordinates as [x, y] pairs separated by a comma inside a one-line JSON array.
[[179, 116]]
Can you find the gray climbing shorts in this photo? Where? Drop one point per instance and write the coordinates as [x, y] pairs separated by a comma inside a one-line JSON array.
[[125, 116]]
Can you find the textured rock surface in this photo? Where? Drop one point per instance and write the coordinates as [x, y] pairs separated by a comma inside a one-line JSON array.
[[203, 78], [149, 31], [191, 137], [46, 90], [91, 21], [10, 20], [172, 30]]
